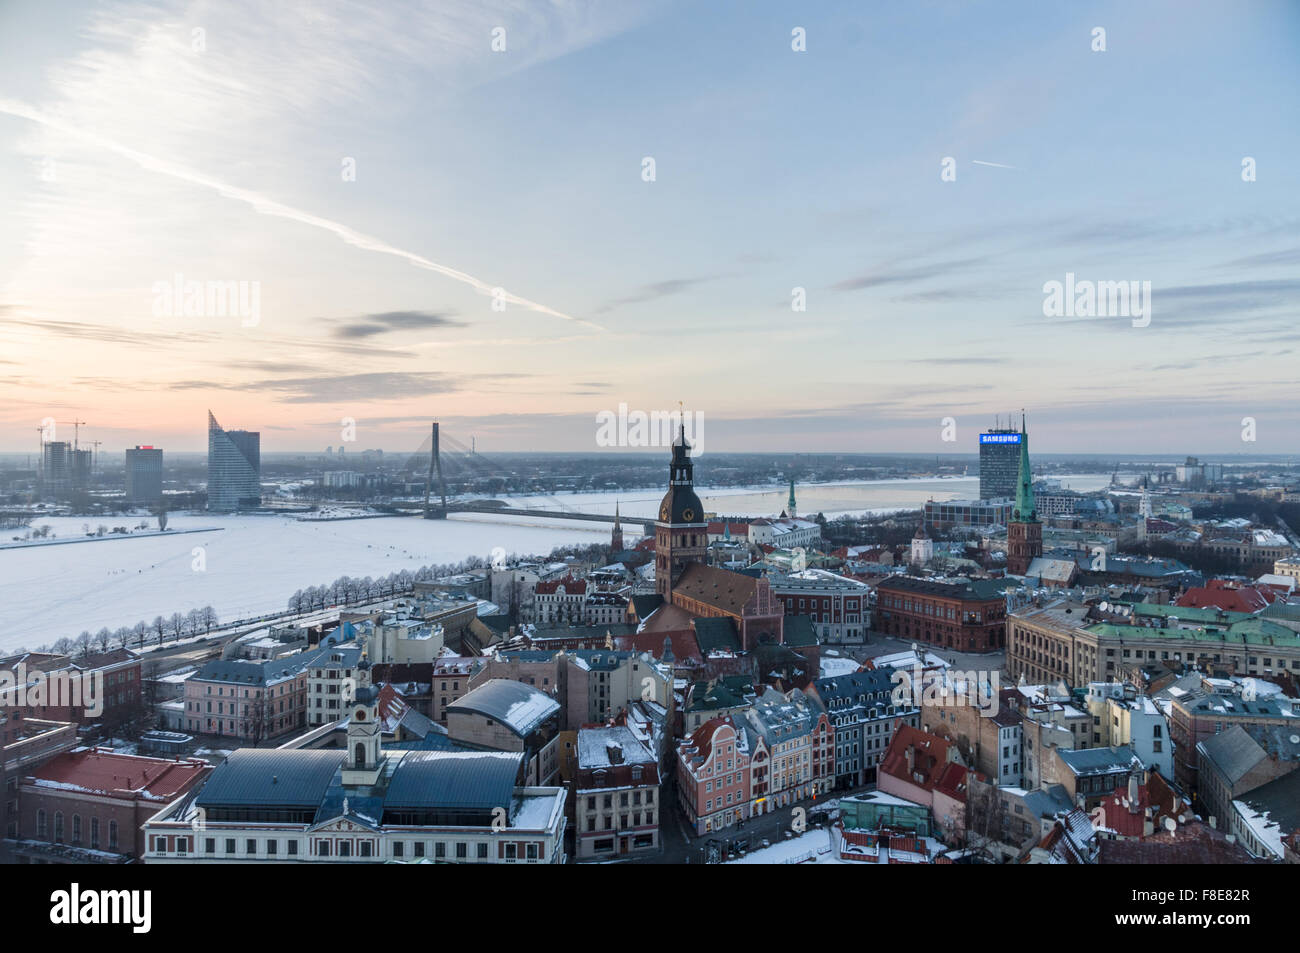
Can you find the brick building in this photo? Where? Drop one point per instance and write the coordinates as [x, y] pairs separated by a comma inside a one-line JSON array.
[[89, 806], [967, 616]]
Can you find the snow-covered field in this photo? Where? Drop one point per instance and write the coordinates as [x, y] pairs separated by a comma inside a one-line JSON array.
[[253, 565]]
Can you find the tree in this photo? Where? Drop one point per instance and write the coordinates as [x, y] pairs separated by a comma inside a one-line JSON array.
[[139, 631], [122, 636], [103, 637], [209, 616], [159, 627], [176, 625]]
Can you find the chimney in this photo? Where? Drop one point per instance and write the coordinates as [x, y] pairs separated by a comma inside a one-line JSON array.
[[1133, 793]]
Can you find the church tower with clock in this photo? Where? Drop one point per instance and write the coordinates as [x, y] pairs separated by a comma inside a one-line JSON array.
[[681, 532]]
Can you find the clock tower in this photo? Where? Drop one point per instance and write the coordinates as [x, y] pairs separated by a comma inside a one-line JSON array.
[[681, 532]]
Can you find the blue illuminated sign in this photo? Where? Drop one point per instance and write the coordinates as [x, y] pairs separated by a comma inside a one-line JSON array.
[[999, 438]]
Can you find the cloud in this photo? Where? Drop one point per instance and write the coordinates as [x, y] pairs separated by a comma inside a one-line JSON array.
[[384, 322], [884, 276], [653, 292]]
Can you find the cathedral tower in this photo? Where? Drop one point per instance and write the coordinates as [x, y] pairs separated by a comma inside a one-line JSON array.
[[681, 532]]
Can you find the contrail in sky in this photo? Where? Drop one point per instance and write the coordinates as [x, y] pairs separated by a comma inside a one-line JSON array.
[[266, 206], [996, 165]]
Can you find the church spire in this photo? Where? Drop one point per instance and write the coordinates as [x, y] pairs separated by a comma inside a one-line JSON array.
[[790, 507], [1025, 511]]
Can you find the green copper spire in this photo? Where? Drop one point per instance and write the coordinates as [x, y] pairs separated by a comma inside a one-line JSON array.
[[1025, 511], [790, 505]]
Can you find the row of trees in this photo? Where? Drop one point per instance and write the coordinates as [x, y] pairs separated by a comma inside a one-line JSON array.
[[347, 590], [176, 626]]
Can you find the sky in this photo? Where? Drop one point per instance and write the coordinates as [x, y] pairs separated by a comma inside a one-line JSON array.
[[445, 211]]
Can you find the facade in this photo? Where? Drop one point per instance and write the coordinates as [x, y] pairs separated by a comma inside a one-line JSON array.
[[102, 687], [560, 601], [950, 514], [250, 701], [862, 714], [234, 468], [616, 794], [999, 464], [144, 476], [363, 804], [968, 616], [713, 775], [837, 605], [89, 806], [330, 683], [1063, 640], [784, 532], [791, 748]]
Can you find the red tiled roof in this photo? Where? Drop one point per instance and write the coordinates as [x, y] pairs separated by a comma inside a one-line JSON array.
[[124, 776], [1218, 595], [929, 759]]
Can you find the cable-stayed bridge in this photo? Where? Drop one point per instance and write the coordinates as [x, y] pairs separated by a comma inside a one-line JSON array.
[[442, 460]]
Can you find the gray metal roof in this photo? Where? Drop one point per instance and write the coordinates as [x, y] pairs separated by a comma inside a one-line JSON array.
[[266, 777], [519, 707], [454, 779]]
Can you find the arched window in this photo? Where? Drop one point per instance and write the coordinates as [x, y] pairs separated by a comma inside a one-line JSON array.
[[94, 833], [112, 835], [76, 830], [361, 755], [58, 827], [42, 828]]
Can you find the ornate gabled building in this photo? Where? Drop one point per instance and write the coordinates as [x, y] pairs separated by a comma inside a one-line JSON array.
[[681, 532], [1025, 531]]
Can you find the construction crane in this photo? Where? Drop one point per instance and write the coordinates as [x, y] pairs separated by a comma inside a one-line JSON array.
[[76, 429]]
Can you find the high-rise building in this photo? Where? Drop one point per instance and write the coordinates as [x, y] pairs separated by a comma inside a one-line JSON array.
[[56, 467], [999, 463], [144, 469], [1025, 531], [234, 468]]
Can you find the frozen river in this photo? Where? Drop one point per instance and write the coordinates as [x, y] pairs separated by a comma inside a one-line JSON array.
[[254, 563]]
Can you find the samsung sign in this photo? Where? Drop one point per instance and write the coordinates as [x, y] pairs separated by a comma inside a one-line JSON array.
[[999, 438]]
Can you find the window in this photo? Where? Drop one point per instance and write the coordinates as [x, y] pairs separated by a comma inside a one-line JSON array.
[[293, 848], [112, 835], [482, 851], [462, 851], [398, 847], [58, 827]]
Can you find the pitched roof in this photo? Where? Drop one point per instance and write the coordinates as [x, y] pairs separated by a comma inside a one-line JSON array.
[[717, 634], [127, 777], [720, 588], [1194, 843]]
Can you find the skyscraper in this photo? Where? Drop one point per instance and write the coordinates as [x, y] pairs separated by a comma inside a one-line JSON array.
[[999, 463], [234, 468], [144, 468], [1024, 532]]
